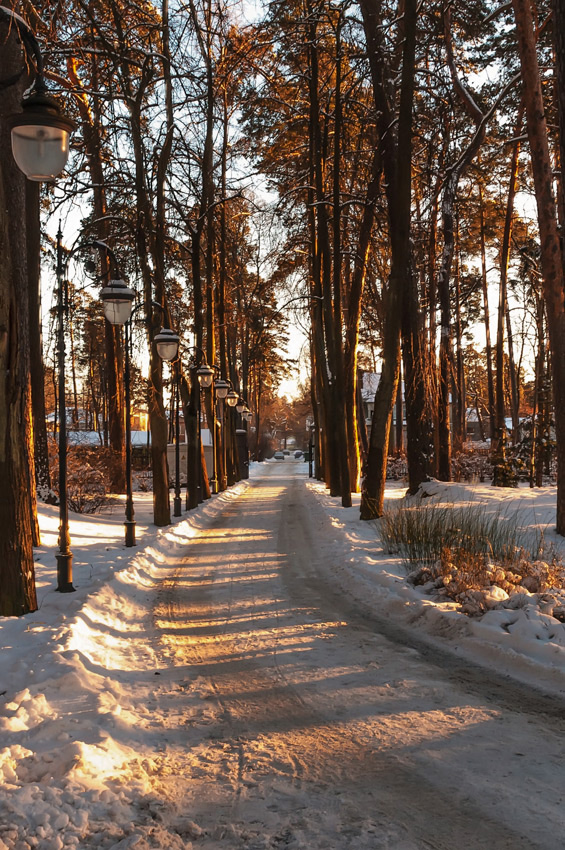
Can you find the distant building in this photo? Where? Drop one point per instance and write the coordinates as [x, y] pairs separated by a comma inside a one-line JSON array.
[[369, 384]]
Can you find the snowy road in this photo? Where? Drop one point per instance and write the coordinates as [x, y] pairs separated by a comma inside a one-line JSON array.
[[317, 731]]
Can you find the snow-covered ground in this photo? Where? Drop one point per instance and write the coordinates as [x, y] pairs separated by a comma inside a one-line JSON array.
[[91, 720]]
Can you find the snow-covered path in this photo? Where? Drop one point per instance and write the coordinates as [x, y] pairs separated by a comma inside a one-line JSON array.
[[320, 732], [259, 675]]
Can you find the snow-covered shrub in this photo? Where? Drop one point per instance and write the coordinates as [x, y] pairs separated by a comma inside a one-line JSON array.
[[143, 481], [87, 477], [545, 450], [397, 467], [470, 555], [472, 463]]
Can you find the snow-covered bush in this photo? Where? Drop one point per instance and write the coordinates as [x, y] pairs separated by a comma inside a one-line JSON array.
[[472, 463], [87, 477], [471, 555], [397, 467]]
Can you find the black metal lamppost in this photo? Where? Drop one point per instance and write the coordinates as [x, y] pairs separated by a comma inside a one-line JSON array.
[[119, 298], [116, 311], [221, 389], [177, 502], [232, 399], [119, 312], [203, 375], [167, 342], [40, 136], [311, 451]]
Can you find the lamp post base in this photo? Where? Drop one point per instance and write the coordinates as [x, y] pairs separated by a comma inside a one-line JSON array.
[[177, 506], [129, 526], [213, 485], [64, 572]]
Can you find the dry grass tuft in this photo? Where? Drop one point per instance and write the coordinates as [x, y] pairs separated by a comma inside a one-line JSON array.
[[472, 556]]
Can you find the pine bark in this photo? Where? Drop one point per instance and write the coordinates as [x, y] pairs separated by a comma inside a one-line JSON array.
[[551, 254], [17, 477]]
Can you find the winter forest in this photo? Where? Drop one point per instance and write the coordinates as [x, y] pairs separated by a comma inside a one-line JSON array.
[[383, 176]]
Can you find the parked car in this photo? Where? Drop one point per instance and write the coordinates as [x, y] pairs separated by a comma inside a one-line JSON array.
[[298, 454], [278, 455], [286, 452]]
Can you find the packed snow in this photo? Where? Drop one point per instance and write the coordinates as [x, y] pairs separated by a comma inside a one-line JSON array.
[[106, 723]]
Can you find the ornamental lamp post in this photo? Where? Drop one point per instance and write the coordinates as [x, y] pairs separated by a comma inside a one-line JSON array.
[[221, 388], [40, 146], [177, 501], [232, 398], [40, 132], [64, 556], [167, 342], [118, 299], [118, 309], [205, 376]]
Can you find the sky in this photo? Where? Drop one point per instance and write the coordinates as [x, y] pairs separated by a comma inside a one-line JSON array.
[[206, 689]]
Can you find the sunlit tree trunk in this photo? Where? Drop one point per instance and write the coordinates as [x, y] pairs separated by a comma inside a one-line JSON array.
[[41, 451], [357, 435], [459, 401], [486, 320], [326, 358], [503, 312], [339, 398], [17, 476], [558, 30], [551, 254], [402, 313]]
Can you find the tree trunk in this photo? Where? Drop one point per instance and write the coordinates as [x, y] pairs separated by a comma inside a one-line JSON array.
[[414, 359], [114, 360], [373, 486], [486, 321], [357, 434], [326, 357], [41, 452], [17, 477], [551, 255], [339, 407], [402, 298], [558, 29], [459, 394], [503, 311]]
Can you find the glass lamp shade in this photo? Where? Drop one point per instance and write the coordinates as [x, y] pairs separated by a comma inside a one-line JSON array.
[[232, 398], [222, 388], [167, 342], [40, 136], [205, 374], [118, 299], [240, 405]]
